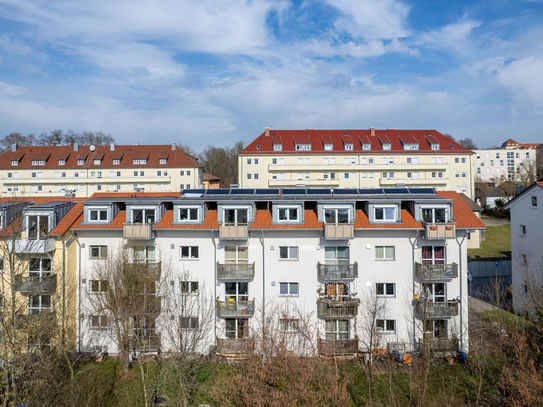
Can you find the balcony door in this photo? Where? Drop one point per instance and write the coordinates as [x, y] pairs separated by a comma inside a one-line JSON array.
[[337, 329], [143, 215], [336, 215], [38, 227], [145, 254], [433, 254], [236, 291], [337, 291], [435, 292], [235, 216], [434, 215], [436, 328], [236, 254], [39, 267], [337, 256], [236, 328]]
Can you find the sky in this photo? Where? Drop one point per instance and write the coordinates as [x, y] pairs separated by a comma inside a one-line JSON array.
[[201, 72]]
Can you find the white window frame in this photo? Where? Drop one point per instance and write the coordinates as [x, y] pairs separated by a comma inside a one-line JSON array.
[[383, 288], [189, 287], [289, 285], [386, 326], [384, 207], [189, 209], [102, 251], [384, 253], [98, 209], [289, 210], [291, 253], [191, 255]]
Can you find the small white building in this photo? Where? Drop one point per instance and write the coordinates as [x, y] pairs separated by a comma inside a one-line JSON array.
[[526, 254]]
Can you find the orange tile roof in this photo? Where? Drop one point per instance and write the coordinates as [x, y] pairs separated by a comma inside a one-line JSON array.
[[133, 194], [67, 221], [126, 153], [210, 222], [117, 223], [263, 220], [408, 222], [463, 214]]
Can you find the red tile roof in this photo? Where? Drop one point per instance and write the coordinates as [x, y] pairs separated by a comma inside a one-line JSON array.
[[210, 222], [408, 222], [153, 153], [263, 220], [316, 137], [463, 214]]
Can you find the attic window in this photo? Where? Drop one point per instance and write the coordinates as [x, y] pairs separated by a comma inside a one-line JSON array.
[[61, 162], [14, 162], [435, 146], [410, 146], [258, 146], [97, 162], [38, 162], [277, 147], [328, 147], [139, 161], [348, 147], [303, 147], [452, 147], [386, 146], [80, 162], [162, 161], [116, 162], [366, 147]]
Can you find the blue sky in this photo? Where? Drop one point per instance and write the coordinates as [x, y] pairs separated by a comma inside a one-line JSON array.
[[214, 72]]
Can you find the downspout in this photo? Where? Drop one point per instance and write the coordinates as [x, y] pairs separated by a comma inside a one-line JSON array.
[[79, 292], [461, 292], [214, 284], [263, 286], [413, 279], [63, 292]]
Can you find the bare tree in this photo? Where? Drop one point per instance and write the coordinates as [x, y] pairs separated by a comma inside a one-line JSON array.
[[16, 138]]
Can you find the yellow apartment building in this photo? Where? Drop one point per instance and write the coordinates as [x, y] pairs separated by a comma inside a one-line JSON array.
[[80, 171], [356, 159]]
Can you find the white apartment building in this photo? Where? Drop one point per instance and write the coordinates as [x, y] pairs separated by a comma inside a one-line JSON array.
[[84, 170], [356, 159], [526, 255], [500, 165], [281, 259]]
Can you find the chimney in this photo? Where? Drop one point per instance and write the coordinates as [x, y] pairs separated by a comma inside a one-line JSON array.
[[76, 146], [372, 131], [267, 131], [112, 147], [173, 146], [309, 128], [14, 147], [390, 128]]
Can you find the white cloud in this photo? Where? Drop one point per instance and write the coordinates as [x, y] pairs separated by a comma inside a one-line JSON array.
[[453, 37], [7, 89], [524, 80]]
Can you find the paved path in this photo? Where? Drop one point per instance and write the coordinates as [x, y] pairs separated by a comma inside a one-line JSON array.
[[478, 306], [495, 221]]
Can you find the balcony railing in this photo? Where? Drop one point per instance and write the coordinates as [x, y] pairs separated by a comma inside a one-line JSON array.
[[436, 271], [235, 309], [340, 347], [33, 246], [338, 231], [44, 318], [233, 231], [439, 345], [151, 304], [337, 308], [438, 231], [242, 346], [337, 272], [150, 341], [427, 309], [47, 284], [239, 271], [149, 270], [142, 231]]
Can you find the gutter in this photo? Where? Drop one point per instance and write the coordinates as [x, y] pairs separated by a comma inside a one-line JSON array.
[[414, 287]]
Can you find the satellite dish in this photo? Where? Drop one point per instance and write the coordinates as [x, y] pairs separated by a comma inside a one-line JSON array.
[[92, 148]]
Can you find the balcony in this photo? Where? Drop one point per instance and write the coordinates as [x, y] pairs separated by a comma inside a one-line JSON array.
[[235, 309], [428, 272], [45, 318], [433, 310], [439, 345], [337, 272], [140, 231], [151, 304], [338, 231], [151, 270], [46, 284], [438, 231], [337, 308], [233, 231], [149, 341], [339, 347], [243, 346], [32, 246], [235, 272]]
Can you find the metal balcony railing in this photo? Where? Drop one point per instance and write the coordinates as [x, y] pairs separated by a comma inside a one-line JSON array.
[[46, 284], [242, 346], [142, 231], [340, 347], [439, 345], [436, 271], [233, 231], [337, 272], [235, 309], [148, 269], [337, 308], [31, 246], [427, 309], [338, 231], [239, 271], [438, 231]]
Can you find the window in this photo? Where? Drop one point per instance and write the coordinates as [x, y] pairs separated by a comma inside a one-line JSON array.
[[434, 215], [464, 175], [385, 214], [337, 329], [98, 252], [97, 162], [116, 162], [97, 215], [277, 147], [38, 227], [534, 201], [384, 252], [236, 328], [249, 161], [145, 215], [188, 173], [290, 289], [182, 173], [39, 303], [188, 186], [162, 161], [189, 287], [523, 230], [10, 175], [288, 252], [189, 252], [98, 321], [457, 175], [385, 161], [188, 214], [337, 256], [385, 325], [249, 176], [288, 214], [236, 254], [255, 160], [99, 286], [436, 328], [14, 162], [144, 254], [235, 216], [236, 291], [524, 259], [457, 160], [289, 325], [80, 162], [433, 254], [385, 289], [39, 267], [434, 292], [336, 215], [189, 323], [255, 176]]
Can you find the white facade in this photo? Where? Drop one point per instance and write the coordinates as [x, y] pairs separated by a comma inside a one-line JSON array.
[[287, 289], [503, 165], [526, 255]]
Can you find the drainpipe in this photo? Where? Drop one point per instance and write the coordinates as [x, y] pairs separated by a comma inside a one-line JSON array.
[[63, 292], [214, 284], [263, 286], [461, 292], [413, 279], [79, 292]]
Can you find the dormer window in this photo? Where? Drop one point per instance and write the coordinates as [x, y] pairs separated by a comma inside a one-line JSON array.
[[277, 147], [410, 146], [162, 161], [328, 147], [38, 227], [116, 162], [287, 214], [348, 147], [337, 215], [236, 216], [14, 162], [303, 147], [61, 162], [434, 215], [145, 215], [435, 146], [98, 215], [386, 146], [80, 162], [385, 213], [188, 214], [38, 162], [97, 162]]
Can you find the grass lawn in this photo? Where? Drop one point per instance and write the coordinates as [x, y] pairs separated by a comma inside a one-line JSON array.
[[506, 319], [497, 243]]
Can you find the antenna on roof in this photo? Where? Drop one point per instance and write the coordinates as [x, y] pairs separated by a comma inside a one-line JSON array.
[[92, 148]]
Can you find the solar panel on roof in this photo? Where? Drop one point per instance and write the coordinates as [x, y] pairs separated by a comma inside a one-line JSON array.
[[396, 190], [217, 191], [318, 191], [346, 191], [293, 191], [267, 191], [370, 191], [193, 191], [421, 191], [245, 191]]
